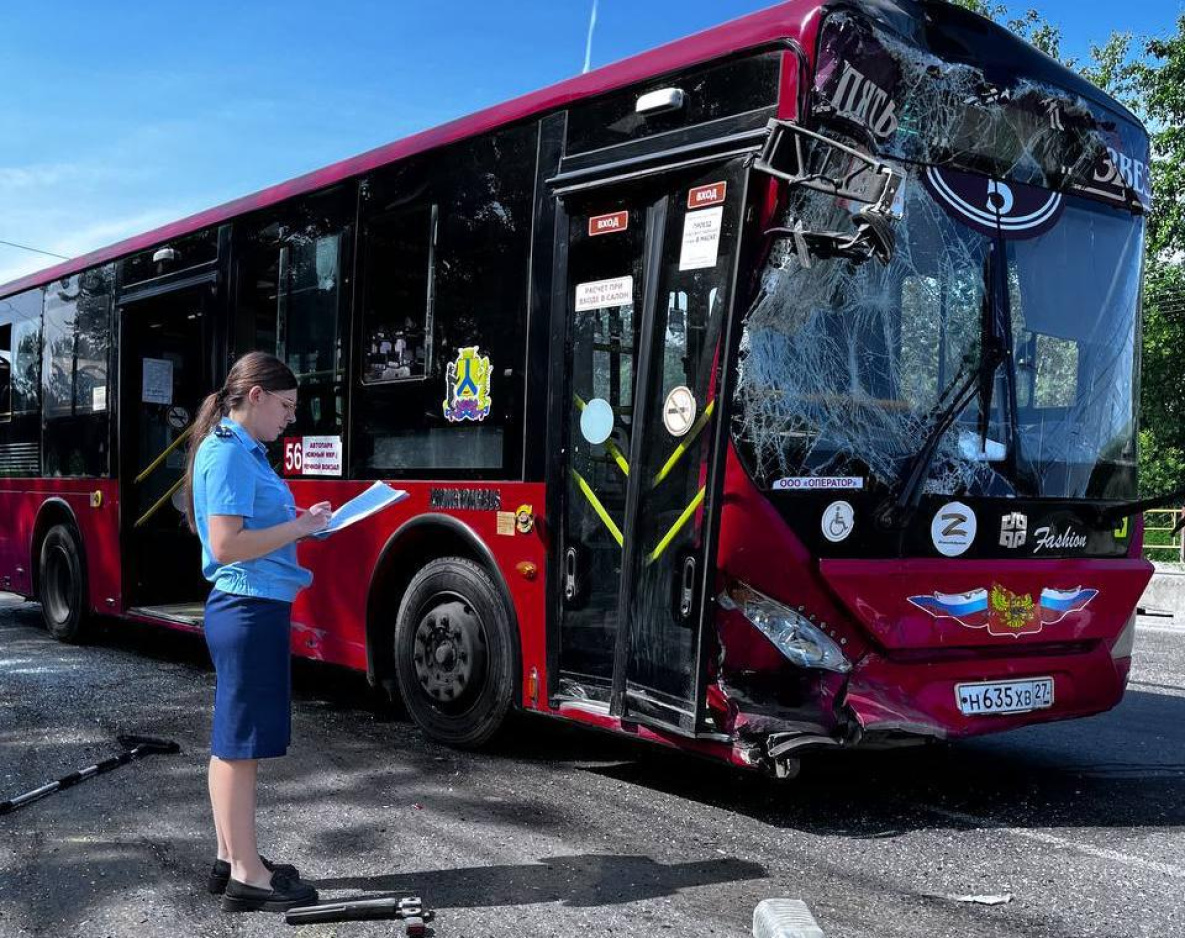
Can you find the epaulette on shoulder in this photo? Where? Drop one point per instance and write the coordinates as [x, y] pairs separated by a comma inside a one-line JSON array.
[[223, 433]]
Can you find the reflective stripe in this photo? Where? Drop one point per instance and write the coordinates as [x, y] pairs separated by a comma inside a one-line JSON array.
[[598, 507], [685, 444], [670, 535]]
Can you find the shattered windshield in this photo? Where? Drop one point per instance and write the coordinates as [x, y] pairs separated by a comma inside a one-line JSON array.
[[843, 365], [1013, 188]]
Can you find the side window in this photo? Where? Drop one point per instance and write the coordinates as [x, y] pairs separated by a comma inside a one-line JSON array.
[[5, 370], [447, 246], [75, 360], [397, 303], [292, 280], [20, 373], [20, 353]]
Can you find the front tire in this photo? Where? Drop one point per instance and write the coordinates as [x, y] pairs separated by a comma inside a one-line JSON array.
[[455, 653], [62, 584]]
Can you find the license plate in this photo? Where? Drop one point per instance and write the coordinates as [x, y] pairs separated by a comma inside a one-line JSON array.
[[1005, 696]]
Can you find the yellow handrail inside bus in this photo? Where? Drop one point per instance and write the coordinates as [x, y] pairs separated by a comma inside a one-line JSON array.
[[676, 527], [159, 459], [159, 502], [685, 444], [598, 507], [612, 448]]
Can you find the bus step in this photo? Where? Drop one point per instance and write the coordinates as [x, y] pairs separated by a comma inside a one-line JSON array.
[[181, 613]]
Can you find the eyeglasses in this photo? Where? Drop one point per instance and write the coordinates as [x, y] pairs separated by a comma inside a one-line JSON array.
[[289, 406]]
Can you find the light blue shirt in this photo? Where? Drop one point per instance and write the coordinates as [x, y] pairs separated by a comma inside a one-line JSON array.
[[231, 476]]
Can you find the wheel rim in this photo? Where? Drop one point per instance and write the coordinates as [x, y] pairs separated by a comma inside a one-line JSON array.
[[59, 584], [449, 653]]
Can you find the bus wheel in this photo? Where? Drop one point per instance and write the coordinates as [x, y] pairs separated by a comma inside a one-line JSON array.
[[63, 584], [455, 653]]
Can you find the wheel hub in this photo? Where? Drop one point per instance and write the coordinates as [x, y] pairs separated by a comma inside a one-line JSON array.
[[449, 653]]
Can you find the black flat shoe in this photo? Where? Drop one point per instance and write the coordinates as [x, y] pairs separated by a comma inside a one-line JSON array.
[[220, 873], [285, 893]]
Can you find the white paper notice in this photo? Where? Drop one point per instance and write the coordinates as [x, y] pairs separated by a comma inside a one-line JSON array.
[[99, 397], [321, 456], [601, 294], [701, 238], [158, 381], [376, 498]]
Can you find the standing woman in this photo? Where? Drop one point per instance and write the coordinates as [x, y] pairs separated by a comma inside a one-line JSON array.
[[248, 524]]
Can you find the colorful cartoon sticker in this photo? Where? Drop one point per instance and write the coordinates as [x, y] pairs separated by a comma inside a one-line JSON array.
[[524, 518], [1003, 612], [467, 382]]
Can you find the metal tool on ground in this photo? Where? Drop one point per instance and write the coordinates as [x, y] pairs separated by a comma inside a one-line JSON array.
[[410, 909], [135, 747]]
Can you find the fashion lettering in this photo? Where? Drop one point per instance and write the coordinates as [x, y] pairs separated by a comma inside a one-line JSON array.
[[1047, 538]]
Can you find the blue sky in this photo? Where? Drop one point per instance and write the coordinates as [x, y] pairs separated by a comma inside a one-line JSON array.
[[118, 117]]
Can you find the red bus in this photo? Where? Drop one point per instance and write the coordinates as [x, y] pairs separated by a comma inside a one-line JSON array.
[[769, 391]]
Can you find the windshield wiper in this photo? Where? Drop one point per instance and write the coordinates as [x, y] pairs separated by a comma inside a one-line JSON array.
[[977, 384], [1127, 509]]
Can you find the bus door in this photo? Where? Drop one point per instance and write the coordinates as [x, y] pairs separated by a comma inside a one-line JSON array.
[[646, 270], [166, 354]]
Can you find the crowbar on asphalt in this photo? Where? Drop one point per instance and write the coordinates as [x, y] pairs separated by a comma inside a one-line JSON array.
[[136, 746]]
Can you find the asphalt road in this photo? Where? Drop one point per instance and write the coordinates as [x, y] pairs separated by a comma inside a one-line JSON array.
[[561, 832]]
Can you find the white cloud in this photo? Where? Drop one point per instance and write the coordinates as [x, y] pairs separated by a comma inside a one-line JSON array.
[[15, 179]]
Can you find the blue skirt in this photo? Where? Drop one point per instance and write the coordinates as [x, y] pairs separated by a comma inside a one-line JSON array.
[[248, 638]]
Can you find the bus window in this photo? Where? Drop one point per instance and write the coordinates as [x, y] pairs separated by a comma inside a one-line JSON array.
[[290, 303], [396, 311], [443, 332], [6, 370], [20, 349], [75, 357]]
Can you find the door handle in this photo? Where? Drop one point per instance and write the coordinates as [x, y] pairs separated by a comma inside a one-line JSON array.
[[570, 575], [687, 588]]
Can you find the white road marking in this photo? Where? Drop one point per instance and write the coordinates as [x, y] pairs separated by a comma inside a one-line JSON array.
[[1100, 853]]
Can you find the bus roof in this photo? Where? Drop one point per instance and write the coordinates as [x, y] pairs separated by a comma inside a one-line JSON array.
[[792, 19], [786, 20]]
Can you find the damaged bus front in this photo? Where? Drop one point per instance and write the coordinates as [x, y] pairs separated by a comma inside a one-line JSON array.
[[934, 412]]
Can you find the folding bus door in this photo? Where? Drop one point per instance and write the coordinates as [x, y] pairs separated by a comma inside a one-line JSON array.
[[647, 272]]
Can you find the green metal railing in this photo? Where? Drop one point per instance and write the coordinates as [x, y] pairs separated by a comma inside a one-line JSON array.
[[1160, 543]]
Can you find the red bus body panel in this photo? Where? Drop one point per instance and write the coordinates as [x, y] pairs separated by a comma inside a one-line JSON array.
[[906, 662], [21, 502]]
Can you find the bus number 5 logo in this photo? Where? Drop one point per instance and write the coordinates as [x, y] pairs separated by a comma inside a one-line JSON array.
[[292, 455]]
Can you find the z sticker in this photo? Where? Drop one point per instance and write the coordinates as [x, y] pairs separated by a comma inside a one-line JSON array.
[[467, 384], [953, 529]]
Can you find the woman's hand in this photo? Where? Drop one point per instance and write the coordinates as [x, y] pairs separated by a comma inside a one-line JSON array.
[[315, 519]]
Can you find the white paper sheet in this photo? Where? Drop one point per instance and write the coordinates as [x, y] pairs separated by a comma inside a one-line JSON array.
[[374, 499]]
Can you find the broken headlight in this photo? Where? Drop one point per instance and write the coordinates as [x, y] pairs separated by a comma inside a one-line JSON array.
[[799, 640]]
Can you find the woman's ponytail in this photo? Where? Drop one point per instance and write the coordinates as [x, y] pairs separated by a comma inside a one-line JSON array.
[[210, 414], [255, 369]]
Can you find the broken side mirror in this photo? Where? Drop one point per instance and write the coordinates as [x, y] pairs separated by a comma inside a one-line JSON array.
[[801, 157]]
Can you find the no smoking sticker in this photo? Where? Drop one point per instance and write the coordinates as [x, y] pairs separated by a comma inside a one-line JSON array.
[[178, 418], [678, 411]]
